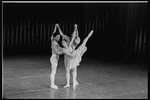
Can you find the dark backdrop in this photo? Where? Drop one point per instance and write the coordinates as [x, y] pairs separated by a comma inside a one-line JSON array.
[[120, 30]]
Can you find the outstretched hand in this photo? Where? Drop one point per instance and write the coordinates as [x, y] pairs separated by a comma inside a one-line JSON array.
[[75, 25], [56, 25], [55, 29]]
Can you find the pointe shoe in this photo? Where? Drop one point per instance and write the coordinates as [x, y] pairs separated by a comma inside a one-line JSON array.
[[54, 86], [91, 33], [66, 86], [75, 84]]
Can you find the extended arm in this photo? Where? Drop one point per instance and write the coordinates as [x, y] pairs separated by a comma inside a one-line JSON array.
[[74, 34], [61, 33], [58, 49], [53, 32], [73, 37], [75, 28], [54, 29], [71, 55]]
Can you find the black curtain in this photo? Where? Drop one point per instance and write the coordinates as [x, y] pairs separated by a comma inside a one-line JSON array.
[[119, 29]]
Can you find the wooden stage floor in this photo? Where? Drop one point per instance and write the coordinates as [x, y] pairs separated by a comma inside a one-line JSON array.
[[29, 77]]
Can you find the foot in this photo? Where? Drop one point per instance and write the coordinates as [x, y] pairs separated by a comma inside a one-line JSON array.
[[66, 86], [90, 33], [75, 84], [54, 86]]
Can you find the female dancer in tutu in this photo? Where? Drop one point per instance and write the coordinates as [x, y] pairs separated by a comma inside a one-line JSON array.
[[56, 51], [74, 57], [71, 45]]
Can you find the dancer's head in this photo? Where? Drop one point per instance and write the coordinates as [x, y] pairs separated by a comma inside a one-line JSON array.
[[57, 38], [56, 35], [64, 43]]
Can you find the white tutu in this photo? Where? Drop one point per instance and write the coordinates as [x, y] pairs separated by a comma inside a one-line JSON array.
[[79, 53]]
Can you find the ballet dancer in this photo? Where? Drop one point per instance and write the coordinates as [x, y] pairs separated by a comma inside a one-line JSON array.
[[56, 51], [74, 57], [72, 45]]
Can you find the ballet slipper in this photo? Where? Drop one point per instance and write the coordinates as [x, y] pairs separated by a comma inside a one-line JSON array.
[[74, 87], [90, 33], [75, 84], [66, 86], [54, 86]]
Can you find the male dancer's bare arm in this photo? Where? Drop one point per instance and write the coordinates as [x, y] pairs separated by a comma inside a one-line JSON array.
[[58, 49], [53, 32], [61, 33], [70, 55]]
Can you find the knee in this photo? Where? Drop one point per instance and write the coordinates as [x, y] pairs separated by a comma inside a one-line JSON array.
[[74, 70], [67, 71], [54, 69]]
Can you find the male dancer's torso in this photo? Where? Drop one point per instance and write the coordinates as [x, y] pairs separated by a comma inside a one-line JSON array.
[[55, 49]]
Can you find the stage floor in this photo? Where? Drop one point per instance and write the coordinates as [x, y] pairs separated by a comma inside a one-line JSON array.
[[29, 77]]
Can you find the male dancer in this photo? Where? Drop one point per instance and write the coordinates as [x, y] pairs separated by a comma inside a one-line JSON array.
[[56, 51]]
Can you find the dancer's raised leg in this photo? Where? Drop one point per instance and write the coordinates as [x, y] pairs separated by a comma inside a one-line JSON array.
[[86, 39]]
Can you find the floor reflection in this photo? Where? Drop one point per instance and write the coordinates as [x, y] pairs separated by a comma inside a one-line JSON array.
[[70, 93], [67, 93], [52, 93]]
